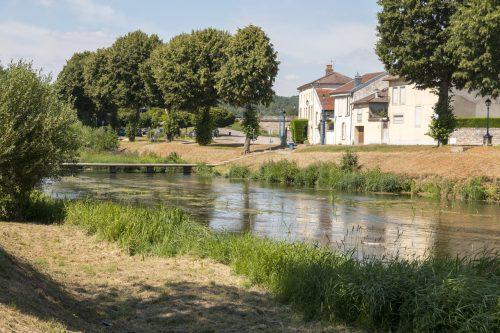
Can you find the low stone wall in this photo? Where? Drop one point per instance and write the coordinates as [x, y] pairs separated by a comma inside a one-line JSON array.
[[473, 136]]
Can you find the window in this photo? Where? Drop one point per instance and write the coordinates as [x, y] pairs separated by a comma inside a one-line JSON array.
[[398, 119], [395, 95], [343, 131], [360, 116], [418, 116], [330, 125], [402, 95]]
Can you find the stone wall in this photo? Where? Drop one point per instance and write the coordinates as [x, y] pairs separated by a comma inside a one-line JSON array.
[[473, 136]]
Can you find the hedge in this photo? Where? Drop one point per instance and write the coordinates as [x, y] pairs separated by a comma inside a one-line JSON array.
[[477, 122], [298, 127]]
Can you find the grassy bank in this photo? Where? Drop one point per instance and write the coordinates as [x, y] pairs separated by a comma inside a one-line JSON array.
[[436, 294], [90, 156], [345, 177]]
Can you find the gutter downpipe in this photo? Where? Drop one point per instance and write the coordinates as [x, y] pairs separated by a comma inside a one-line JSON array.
[[323, 127]]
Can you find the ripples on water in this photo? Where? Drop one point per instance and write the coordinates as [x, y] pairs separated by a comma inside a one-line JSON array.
[[370, 225]]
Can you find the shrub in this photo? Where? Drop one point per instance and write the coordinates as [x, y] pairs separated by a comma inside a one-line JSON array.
[[349, 161], [96, 139], [204, 170], [36, 133], [239, 172], [298, 127], [308, 176], [204, 127], [175, 158], [477, 122], [222, 117]]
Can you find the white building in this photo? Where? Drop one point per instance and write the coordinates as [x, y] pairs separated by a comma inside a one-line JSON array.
[[315, 100], [360, 87]]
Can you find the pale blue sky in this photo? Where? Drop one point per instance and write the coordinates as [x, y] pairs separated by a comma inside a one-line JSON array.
[[307, 35]]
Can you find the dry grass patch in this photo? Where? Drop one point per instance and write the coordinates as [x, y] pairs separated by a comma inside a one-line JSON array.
[[56, 278]]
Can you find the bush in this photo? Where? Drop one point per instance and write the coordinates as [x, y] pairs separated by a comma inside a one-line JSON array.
[[204, 127], [298, 127], [378, 181], [349, 161], [96, 138], [239, 172], [477, 122], [473, 190], [222, 117], [36, 133]]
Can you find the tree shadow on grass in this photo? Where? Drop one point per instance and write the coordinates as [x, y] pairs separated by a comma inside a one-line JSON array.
[[174, 307]]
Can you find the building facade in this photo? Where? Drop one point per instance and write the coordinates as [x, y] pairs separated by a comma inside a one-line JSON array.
[[315, 103]]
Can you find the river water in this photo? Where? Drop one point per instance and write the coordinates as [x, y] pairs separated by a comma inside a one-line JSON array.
[[370, 225]]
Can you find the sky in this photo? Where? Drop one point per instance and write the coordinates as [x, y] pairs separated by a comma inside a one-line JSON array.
[[307, 35]]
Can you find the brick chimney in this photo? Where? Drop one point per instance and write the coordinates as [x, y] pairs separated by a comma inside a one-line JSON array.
[[329, 69]]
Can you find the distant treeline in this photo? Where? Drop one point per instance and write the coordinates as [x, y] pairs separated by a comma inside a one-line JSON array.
[[280, 103]]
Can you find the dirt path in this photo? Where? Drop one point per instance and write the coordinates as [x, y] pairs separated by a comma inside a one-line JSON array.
[[56, 278]]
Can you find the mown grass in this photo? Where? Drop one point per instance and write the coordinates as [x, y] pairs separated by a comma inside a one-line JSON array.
[[435, 294], [328, 175], [128, 157]]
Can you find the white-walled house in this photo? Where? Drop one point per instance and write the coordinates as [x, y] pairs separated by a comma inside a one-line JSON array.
[[370, 118], [362, 86], [410, 111], [315, 100]]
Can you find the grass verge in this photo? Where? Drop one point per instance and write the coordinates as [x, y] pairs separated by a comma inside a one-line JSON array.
[[128, 157], [436, 294]]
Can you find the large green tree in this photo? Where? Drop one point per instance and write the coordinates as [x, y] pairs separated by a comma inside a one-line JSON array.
[[99, 86], [413, 36], [35, 134], [185, 71], [129, 77], [475, 46], [247, 76], [70, 85]]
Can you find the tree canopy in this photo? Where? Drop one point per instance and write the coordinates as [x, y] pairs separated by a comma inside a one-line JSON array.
[[71, 87], [185, 70], [247, 76], [475, 46]]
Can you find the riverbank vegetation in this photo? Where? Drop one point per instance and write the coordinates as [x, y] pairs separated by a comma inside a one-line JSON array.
[[432, 294], [348, 176]]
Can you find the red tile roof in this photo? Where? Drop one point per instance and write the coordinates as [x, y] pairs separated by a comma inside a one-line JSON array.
[[329, 79], [349, 86], [383, 97], [325, 99]]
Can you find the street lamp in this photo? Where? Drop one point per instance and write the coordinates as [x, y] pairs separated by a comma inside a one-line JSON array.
[[283, 133], [487, 139]]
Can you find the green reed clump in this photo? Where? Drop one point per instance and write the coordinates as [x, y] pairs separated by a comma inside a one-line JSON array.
[[435, 294], [378, 181], [239, 172], [281, 172], [204, 170], [474, 190]]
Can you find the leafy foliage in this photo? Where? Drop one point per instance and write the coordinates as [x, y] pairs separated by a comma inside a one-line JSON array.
[[298, 127], [222, 117], [475, 44], [96, 139], [171, 125], [477, 122], [35, 134], [349, 161], [70, 86], [444, 122], [247, 76], [204, 127]]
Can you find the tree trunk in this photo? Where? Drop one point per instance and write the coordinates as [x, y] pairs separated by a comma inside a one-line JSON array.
[[443, 110], [246, 146]]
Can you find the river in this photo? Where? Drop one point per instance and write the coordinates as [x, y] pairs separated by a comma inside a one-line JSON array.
[[369, 225]]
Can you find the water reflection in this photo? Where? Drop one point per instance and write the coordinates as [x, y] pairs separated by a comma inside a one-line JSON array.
[[372, 225]]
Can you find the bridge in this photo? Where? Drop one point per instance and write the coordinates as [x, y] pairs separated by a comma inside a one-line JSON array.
[[147, 167]]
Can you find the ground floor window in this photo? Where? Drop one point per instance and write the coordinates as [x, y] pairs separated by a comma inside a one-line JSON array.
[[398, 119], [343, 130]]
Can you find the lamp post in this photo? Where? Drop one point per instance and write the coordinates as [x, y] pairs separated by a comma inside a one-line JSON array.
[[283, 133], [487, 139]]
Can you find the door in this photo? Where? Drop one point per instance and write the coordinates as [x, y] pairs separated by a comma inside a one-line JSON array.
[[385, 133], [360, 130]]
